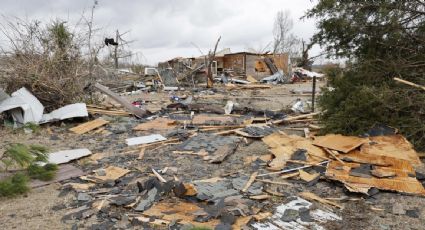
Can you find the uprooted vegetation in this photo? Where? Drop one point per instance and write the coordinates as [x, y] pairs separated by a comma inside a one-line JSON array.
[[385, 40], [27, 160], [49, 60]]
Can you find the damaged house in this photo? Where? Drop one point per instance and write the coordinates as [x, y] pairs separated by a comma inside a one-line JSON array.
[[240, 65]]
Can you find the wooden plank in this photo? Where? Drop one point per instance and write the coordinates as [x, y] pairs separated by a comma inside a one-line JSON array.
[[88, 126], [295, 118], [160, 123], [314, 197], [334, 155], [131, 108], [250, 181], [338, 142], [307, 177], [409, 83], [160, 178]]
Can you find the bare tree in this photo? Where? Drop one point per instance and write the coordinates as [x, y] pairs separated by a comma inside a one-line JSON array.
[[284, 41]]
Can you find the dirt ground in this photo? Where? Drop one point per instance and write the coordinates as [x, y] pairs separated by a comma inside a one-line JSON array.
[[43, 208]]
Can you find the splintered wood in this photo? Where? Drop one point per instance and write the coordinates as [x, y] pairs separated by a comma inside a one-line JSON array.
[[387, 161], [88, 126], [183, 213], [282, 146], [403, 181]]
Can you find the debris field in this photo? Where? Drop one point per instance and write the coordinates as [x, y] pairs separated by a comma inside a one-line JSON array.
[[233, 157]]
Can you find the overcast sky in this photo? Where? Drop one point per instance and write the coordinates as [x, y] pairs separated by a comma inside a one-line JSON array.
[[163, 29]]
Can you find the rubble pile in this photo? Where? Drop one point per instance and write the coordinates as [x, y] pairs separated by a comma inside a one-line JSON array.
[[213, 158]]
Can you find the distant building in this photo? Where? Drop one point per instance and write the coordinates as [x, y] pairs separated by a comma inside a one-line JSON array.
[[238, 64]]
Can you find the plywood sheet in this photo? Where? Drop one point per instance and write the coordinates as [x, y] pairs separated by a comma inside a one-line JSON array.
[[207, 119], [182, 211], [340, 143], [157, 124], [404, 181], [393, 146], [112, 173], [282, 146], [88, 126]]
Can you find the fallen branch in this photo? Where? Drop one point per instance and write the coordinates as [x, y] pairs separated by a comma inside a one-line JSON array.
[[131, 108], [409, 83]]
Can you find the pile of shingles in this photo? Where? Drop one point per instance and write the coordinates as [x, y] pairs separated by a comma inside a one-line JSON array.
[[384, 162]]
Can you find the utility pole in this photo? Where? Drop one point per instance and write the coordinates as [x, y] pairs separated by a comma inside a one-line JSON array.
[[116, 50]]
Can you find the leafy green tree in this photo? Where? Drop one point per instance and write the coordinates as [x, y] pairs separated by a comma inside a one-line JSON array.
[[382, 39]]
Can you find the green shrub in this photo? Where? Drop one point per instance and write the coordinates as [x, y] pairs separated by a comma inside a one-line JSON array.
[[23, 155], [14, 185], [357, 102], [44, 173]]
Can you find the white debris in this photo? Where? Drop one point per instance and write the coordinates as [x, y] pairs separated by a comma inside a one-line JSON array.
[[65, 156], [275, 222], [66, 112], [25, 107], [228, 107], [145, 139], [298, 107]]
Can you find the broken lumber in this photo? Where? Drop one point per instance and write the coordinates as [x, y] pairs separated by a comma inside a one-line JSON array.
[[312, 196], [409, 83], [250, 181], [160, 178], [88, 126], [138, 112], [333, 155], [295, 118]]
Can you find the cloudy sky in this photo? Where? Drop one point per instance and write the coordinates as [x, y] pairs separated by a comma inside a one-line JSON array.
[[163, 29]]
